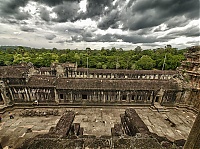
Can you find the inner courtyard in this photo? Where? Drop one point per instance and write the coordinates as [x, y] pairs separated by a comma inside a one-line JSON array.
[[174, 124]]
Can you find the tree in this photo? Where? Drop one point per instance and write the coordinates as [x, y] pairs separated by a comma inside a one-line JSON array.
[[138, 49], [145, 62]]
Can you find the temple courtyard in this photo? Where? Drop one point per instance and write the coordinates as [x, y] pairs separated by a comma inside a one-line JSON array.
[[175, 123]]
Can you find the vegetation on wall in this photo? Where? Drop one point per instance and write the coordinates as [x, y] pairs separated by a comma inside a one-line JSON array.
[[105, 58]]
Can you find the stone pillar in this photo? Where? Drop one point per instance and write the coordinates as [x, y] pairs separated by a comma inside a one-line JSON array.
[[56, 96], [4, 100], [71, 96], [193, 140], [127, 98], [26, 93], [119, 95], [11, 94]]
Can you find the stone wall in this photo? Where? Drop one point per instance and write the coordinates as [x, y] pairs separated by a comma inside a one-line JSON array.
[[190, 69]]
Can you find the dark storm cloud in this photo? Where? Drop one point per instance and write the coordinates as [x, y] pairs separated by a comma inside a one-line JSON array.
[[137, 39], [50, 36], [110, 20], [55, 2], [177, 21], [145, 14], [168, 8], [27, 29], [63, 8], [44, 14], [10, 9], [11, 6], [66, 12], [95, 8]]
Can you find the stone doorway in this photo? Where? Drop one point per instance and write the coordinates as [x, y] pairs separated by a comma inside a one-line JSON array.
[[157, 99], [1, 100]]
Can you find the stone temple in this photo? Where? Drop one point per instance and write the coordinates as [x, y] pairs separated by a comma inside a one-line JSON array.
[[99, 108]]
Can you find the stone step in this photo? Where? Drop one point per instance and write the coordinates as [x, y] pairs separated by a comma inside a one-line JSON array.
[[160, 108]]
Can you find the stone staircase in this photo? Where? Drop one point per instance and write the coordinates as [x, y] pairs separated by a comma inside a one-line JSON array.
[[159, 108]]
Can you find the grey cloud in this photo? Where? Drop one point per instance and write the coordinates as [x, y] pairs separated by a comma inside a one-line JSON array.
[[74, 30], [77, 38], [66, 12], [132, 38], [10, 21], [95, 8], [50, 36], [101, 38], [22, 16], [151, 44], [11, 6], [44, 14], [188, 32], [10, 9], [61, 41], [89, 36], [110, 20], [144, 31], [177, 21], [137, 39], [146, 14], [13, 21], [27, 29], [56, 2]]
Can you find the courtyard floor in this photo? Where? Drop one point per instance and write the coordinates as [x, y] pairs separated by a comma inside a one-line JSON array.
[[95, 121]]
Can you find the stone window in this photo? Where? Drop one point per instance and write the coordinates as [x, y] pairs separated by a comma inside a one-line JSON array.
[[61, 96], [132, 97], [124, 97], [84, 96]]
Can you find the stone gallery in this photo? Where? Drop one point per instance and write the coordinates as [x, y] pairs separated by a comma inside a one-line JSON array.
[[65, 85]]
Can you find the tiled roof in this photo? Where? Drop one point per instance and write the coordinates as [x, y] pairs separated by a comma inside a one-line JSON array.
[[13, 71], [122, 71], [41, 81], [65, 83]]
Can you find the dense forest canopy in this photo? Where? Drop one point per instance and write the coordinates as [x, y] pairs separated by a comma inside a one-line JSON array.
[[105, 58]]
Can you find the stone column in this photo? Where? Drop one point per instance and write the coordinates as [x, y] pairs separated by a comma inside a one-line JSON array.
[[71, 96], [56, 96], [11, 94], [119, 94], [104, 98], [4, 100], [193, 140], [26, 93]]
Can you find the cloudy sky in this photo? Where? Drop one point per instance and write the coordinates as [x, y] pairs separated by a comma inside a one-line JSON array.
[[99, 23]]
